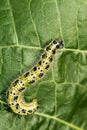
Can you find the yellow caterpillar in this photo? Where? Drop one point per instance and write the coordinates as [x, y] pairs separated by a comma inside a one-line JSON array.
[[17, 87]]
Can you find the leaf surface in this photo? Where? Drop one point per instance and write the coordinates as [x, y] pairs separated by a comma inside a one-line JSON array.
[[26, 27]]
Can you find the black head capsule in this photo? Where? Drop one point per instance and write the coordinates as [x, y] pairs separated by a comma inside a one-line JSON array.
[[59, 44]]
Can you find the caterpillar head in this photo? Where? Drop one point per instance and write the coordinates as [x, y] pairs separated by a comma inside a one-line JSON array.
[[58, 43]]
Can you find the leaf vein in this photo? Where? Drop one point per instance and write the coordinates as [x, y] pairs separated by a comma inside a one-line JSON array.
[[59, 120], [13, 22], [59, 18], [34, 23]]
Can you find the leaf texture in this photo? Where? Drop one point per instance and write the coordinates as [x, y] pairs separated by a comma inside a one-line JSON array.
[[26, 27]]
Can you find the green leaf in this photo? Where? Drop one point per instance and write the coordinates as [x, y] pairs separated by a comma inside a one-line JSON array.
[[26, 26]]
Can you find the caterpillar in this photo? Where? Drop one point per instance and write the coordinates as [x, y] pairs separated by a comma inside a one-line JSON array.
[[15, 92]]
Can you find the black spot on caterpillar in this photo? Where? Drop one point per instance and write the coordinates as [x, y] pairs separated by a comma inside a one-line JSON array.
[[17, 87]]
